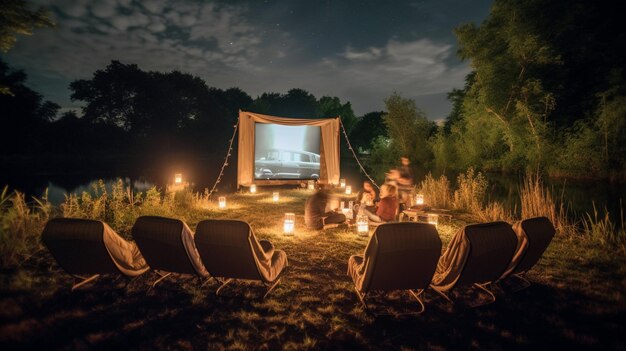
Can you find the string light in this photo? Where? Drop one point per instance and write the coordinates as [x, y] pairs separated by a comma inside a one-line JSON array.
[[343, 129], [230, 150]]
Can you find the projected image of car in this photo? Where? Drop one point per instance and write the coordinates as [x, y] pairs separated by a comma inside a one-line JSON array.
[[287, 164]]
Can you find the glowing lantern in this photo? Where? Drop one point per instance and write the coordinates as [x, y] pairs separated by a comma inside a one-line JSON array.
[[419, 199], [289, 224], [362, 225], [348, 190], [342, 183], [275, 196], [253, 188], [311, 185], [433, 219], [178, 178], [221, 202], [342, 204]]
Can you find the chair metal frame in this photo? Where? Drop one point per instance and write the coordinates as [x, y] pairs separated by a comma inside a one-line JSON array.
[[268, 286], [416, 295]]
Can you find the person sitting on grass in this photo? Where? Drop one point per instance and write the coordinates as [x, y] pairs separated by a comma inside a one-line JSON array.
[[315, 215], [387, 207], [366, 197]]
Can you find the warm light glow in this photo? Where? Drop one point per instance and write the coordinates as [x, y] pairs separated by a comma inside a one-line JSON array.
[[275, 196], [311, 185], [348, 190], [433, 219], [178, 178], [342, 204], [253, 188], [419, 199], [289, 224], [342, 183], [362, 225], [222, 202]]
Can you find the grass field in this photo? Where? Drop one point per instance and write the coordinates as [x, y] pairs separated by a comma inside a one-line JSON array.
[[576, 300]]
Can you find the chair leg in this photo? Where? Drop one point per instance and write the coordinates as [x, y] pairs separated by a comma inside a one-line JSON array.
[[441, 293], [84, 281], [206, 282], [271, 288], [361, 297], [163, 276], [416, 295], [521, 276], [483, 287], [226, 282]]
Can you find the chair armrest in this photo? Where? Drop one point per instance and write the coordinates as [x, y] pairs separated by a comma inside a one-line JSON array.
[[267, 247]]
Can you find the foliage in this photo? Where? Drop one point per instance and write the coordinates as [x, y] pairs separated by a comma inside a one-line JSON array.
[[437, 191], [471, 190], [367, 128]]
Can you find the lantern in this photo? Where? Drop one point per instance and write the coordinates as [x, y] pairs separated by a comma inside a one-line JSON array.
[[342, 204], [362, 225], [419, 199], [311, 185], [221, 202], [348, 190], [275, 196], [178, 178], [289, 223], [252, 188], [342, 183], [433, 219]]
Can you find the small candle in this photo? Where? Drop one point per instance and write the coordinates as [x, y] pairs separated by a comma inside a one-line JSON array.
[[253, 188], [342, 183], [311, 185], [275, 196], [178, 178], [289, 223], [348, 190], [419, 199], [222, 202]]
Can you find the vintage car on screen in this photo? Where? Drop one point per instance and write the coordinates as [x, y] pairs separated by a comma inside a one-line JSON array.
[[287, 164]]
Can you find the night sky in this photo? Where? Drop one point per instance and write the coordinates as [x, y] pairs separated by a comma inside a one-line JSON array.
[[360, 51]]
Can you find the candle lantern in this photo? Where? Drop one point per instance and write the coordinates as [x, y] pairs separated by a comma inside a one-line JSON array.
[[362, 225], [178, 178], [221, 202], [342, 183], [348, 190], [289, 223], [433, 219], [419, 199], [342, 204], [311, 185], [253, 188], [275, 196]]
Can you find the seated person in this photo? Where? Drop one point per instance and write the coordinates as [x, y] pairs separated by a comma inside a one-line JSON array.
[[315, 215], [387, 207], [366, 197]]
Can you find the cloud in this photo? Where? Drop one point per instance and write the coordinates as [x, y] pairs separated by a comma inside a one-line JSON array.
[[227, 46]]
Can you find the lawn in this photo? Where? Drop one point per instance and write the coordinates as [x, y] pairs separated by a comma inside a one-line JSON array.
[[576, 300]]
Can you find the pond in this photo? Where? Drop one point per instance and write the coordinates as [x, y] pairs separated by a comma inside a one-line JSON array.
[[578, 196]]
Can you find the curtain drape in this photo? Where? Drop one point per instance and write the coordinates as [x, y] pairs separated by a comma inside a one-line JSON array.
[[329, 148]]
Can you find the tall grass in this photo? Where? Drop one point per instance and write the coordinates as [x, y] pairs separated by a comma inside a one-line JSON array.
[[471, 190], [604, 230], [20, 225], [437, 191], [537, 201]]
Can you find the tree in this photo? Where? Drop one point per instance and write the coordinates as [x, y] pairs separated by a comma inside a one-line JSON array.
[[409, 129], [367, 128], [17, 18], [23, 113], [332, 107]]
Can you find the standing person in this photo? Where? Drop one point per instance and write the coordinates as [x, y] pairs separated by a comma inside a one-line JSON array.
[[315, 215], [387, 207], [405, 181]]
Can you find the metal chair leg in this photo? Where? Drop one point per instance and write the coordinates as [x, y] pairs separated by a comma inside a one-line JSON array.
[[83, 281], [419, 300], [271, 288], [226, 282], [483, 287], [163, 276], [521, 277], [206, 282], [441, 293], [361, 297]]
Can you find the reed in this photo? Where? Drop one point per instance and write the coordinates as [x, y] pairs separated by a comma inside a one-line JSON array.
[[604, 230], [436, 191], [470, 193], [537, 201]]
